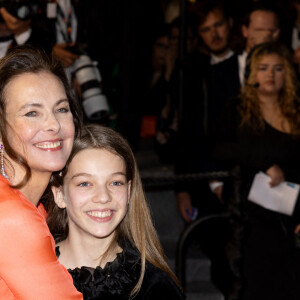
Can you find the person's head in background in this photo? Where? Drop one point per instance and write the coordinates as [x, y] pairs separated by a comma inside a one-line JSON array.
[[160, 47], [270, 74], [260, 25], [191, 35], [101, 181], [214, 28]]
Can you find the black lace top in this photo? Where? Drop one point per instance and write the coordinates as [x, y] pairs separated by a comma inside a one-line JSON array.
[[120, 276]]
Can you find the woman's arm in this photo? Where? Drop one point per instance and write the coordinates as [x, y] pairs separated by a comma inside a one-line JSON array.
[[28, 264]]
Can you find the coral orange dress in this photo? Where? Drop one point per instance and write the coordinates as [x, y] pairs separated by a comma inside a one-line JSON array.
[[29, 268]]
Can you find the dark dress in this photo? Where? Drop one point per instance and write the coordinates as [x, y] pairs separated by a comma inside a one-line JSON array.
[[119, 277], [270, 258]]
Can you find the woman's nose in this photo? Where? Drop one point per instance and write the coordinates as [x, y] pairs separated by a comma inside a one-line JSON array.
[[52, 123]]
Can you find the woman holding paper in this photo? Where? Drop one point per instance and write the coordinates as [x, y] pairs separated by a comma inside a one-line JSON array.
[[260, 132]]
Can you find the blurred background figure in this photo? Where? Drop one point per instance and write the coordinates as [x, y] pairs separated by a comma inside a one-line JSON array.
[[23, 23], [260, 132], [214, 27]]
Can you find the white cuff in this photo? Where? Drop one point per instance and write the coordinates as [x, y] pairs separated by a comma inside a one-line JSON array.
[[215, 184], [23, 37]]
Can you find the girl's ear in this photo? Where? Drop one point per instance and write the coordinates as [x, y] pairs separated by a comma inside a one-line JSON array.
[[58, 196]]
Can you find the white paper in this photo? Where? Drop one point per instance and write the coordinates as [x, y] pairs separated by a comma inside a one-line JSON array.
[[281, 198]]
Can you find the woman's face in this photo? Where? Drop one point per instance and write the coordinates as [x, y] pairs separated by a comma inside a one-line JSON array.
[[160, 49], [95, 193], [270, 74], [42, 127]]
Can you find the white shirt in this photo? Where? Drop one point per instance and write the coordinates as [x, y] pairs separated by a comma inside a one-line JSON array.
[[295, 38], [20, 40], [216, 59], [242, 58]]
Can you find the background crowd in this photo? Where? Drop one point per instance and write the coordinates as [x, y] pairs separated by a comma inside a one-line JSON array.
[[179, 73]]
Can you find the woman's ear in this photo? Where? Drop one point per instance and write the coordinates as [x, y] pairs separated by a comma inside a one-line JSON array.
[[58, 196]]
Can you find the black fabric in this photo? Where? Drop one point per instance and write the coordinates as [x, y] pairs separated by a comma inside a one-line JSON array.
[[119, 277], [223, 86], [270, 259]]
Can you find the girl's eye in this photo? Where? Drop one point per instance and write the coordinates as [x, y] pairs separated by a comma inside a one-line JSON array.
[[63, 110], [84, 184], [31, 114], [117, 183]]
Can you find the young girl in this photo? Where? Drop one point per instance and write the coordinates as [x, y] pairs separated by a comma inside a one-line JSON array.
[[102, 224]]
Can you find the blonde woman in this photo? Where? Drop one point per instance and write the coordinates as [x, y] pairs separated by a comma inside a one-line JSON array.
[[101, 221], [261, 133]]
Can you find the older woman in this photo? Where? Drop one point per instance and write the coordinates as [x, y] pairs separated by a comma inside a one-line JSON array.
[[261, 132], [37, 115]]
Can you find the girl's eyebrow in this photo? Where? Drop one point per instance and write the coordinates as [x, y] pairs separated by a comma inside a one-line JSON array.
[[90, 175], [81, 174]]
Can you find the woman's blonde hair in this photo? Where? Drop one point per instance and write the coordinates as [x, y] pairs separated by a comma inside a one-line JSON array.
[[289, 100], [137, 226]]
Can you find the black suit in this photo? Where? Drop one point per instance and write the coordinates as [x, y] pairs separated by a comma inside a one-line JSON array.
[[223, 84]]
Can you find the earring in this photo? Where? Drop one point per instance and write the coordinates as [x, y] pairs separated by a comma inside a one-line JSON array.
[[2, 162]]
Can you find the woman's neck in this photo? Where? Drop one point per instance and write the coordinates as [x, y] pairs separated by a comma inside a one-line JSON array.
[[34, 188], [268, 101], [272, 113], [75, 253]]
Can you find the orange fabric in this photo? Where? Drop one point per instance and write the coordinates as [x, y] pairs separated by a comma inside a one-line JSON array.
[[29, 268]]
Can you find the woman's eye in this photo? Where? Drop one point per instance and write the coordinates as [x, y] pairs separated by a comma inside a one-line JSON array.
[[31, 114], [63, 110]]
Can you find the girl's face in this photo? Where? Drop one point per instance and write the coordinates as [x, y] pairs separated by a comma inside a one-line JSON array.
[[270, 74], [95, 193], [41, 123]]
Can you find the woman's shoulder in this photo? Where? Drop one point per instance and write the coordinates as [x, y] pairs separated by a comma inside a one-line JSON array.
[[15, 206], [11, 199]]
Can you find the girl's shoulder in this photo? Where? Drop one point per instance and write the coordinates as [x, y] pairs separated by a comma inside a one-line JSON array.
[[159, 285]]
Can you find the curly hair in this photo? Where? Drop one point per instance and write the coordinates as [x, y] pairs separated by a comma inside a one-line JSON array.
[[289, 101]]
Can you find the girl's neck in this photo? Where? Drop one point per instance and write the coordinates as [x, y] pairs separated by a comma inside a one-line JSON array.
[[88, 252]]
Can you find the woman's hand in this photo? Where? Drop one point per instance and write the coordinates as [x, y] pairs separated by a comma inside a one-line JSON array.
[[184, 205], [297, 229], [66, 57], [276, 174]]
